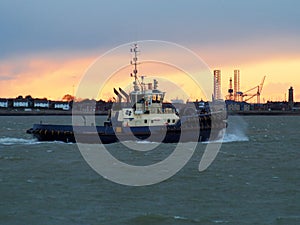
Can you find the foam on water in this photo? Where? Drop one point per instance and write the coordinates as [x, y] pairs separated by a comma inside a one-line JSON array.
[[236, 131], [23, 141], [229, 137], [17, 141], [146, 142], [150, 218]]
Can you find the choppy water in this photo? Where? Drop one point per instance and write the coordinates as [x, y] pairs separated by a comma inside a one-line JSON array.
[[255, 179]]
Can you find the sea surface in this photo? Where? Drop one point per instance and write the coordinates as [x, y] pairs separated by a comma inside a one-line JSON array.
[[255, 179]]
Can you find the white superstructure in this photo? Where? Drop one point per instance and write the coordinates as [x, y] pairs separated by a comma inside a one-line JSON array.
[[146, 103]]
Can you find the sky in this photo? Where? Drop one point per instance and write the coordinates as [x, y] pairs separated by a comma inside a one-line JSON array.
[[47, 46]]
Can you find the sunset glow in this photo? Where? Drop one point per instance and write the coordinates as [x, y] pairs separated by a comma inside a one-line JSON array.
[[41, 77], [53, 77]]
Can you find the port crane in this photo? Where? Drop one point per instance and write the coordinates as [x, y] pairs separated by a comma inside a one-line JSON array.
[[257, 94]]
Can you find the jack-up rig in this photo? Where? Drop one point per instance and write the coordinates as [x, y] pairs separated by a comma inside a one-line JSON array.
[[235, 94]]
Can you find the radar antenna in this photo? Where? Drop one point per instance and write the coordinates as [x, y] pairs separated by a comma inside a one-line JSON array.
[[134, 62]]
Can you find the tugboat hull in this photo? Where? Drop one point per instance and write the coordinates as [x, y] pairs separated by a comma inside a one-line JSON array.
[[107, 135]]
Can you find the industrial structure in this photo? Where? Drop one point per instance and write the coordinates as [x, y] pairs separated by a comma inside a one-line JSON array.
[[230, 90], [258, 90], [235, 93], [217, 85], [236, 87], [291, 98]]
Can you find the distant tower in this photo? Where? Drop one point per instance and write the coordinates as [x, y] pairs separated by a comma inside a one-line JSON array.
[[217, 84], [291, 98], [230, 90], [236, 86]]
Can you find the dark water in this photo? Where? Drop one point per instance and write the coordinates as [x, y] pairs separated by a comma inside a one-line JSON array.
[[255, 179]]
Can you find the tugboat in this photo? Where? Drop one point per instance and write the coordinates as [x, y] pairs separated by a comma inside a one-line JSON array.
[[145, 117]]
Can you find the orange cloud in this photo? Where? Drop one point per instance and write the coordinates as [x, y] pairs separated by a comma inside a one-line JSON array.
[[54, 75], [38, 76]]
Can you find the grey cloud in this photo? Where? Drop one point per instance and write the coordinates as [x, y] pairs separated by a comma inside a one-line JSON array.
[[33, 25]]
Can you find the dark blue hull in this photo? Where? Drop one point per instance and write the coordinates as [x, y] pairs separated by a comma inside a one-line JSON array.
[[107, 135]]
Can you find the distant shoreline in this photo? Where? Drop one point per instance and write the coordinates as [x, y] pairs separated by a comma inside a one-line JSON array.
[[264, 113], [46, 113], [69, 113]]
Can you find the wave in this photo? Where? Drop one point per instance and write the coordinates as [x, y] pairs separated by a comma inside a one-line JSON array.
[[146, 142], [236, 131], [150, 218], [235, 137], [17, 141], [23, 141], [230, 137]]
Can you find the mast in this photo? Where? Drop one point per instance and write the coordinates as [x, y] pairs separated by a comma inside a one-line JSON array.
[[135, 63]]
